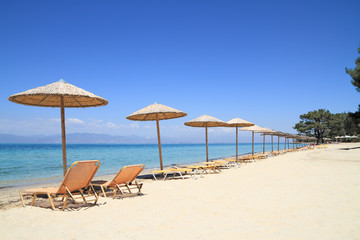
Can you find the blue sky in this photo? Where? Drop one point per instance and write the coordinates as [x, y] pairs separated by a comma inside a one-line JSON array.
[[264, 61]]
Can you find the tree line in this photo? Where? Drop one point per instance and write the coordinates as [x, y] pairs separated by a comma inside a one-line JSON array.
[[323, 124]]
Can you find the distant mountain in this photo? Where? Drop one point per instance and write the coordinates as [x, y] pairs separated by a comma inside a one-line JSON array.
[[85, 138], [105, 138], [9, 138]]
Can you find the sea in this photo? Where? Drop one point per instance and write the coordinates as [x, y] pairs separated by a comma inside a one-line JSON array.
[[30, 164]]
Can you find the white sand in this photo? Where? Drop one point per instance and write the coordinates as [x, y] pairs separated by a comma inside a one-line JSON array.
[[303, 195]]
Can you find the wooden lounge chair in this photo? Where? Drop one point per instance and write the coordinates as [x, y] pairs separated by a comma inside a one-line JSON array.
[[77, 181], [124, 178]]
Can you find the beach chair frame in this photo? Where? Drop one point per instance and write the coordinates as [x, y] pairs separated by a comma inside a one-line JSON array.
[[181, 171], [116, 185], [85, 191]]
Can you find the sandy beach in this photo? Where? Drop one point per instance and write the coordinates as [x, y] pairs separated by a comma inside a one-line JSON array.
[[312, 194]]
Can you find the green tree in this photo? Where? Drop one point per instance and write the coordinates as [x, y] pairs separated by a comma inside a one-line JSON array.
[[315, 123], [355, 73], [337, 125], [352, 125]]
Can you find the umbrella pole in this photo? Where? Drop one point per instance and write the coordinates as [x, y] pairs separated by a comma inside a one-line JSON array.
[[264, 144], [63, 135], [236, 142], [288, 143], [278, 143], [206, 136], [253, 143], [272, 143], [285, 144], [159, 142]]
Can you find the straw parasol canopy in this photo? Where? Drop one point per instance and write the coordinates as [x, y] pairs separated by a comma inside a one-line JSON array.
[[265, 131], [287, 139], [279, 134], [59, 94], [156, 112], [271, 133], [52, 95], [253, 129], [238, 122], [206, 121]]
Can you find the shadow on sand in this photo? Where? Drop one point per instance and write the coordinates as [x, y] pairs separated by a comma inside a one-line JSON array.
[[349, 148]]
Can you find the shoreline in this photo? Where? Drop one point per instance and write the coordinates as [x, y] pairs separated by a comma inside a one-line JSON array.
[[9, 197], [309, 194], [39, 163], [57, 179]]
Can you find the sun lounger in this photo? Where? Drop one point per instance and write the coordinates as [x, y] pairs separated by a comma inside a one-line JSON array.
[[322, 146], [74, 185], [275, 153], [125, 178], [182, 170], [173, 171], [260, 156], [217, 163], [232, 161], [162, 172], [246, 159], [205, 168], [225, 163]]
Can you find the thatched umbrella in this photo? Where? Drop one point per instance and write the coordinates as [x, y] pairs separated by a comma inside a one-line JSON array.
[[267, 131], [206, 121], [279, 134], [253, 129], [292, 136], [238, 122], [156, 112], [59, 94], [287, 139]]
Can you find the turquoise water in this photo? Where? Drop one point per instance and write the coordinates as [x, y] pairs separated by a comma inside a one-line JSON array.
[[22, 164]]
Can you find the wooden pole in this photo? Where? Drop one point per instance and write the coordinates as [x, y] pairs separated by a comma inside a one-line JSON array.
[[278, 143], [206, 136], [159, 142], [264, 143], [272, 143], [288, 143], [63, 136], [236, 142], [285, 144], [253, 143]]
